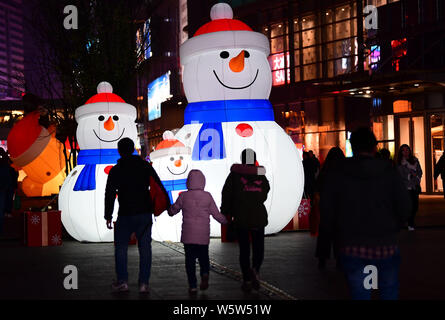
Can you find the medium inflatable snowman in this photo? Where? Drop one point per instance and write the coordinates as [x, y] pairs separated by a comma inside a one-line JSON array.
[[227, 81], [172, 162], [102, 122]]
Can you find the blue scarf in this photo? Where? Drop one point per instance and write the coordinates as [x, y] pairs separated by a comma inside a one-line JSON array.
[[171, 185], [87, 177], [210, 142]]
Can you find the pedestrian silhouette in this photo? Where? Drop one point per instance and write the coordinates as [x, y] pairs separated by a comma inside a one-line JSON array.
[[439, 170], [6, 183], [411, 173], [325, 244], [243, 197], [363, 206], [310, 166], [130, 179], [9, 201], [197, 206]]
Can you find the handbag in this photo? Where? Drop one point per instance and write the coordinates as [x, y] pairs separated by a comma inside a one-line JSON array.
[[228, 231], [158, 198]]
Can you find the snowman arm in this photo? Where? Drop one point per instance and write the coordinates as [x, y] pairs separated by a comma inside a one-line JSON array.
[[110, 195]]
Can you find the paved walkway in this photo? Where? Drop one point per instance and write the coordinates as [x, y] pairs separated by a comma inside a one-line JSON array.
[[289, 270]]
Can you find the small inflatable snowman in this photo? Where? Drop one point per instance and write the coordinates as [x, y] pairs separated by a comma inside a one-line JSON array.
[[172, 162], [102, 122], [227, 82]]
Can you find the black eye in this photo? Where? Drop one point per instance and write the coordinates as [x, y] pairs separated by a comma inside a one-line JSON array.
[[171, 159], [246, 54], [224, 54], [115, 118], [101, 118]]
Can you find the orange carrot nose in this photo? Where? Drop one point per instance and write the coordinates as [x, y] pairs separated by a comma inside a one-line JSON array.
[[109, 124], [178, 163], [237, 64]]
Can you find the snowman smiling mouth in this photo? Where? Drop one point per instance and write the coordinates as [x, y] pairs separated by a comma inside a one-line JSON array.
[[177, 174], [109, 140], [244, 87]]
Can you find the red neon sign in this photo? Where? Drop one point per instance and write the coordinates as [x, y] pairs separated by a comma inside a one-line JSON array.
[[279, 73]]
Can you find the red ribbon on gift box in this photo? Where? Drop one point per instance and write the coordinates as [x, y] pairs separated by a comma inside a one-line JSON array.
[[43, 229]]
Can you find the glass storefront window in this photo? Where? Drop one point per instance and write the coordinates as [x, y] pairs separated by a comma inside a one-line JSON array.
[[277, 30], [383, 128], [308, 22], [325, 43], [310, 55], [310, 72], [308, 38], [277, 45], [343, 29]]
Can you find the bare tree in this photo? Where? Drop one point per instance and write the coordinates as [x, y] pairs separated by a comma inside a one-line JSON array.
[[69, 64]]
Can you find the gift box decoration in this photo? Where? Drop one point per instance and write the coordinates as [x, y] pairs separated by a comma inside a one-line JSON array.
[[43, 229], [303, 214]]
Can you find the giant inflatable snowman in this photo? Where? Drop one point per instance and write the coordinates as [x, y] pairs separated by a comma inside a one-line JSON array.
[[227, 82], [172, 162], [102, 122]]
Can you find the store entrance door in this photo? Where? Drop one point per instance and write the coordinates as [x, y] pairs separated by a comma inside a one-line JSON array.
[[412, 132], [437, 123]]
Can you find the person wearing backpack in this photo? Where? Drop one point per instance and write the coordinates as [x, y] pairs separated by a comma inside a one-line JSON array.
[[243, 197]]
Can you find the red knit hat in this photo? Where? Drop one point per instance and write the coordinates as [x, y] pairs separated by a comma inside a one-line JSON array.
[[105, 101], [27, 139], [169, 146], [223, 32]]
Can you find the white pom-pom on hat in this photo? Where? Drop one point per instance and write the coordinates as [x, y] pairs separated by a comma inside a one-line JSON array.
[[168, 135], [104, 87], [221, 11]]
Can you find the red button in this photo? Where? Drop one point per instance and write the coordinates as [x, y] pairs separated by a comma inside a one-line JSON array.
[[244, 130], [107, 169]]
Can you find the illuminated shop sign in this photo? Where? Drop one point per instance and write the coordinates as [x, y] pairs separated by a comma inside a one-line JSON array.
[[143, 42], [374, 57], [158, 92], [279, 73], [399, 50]]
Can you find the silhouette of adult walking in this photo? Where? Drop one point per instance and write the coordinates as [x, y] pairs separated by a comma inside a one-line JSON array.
[[130, 180], [243, 197], [363, 207]]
